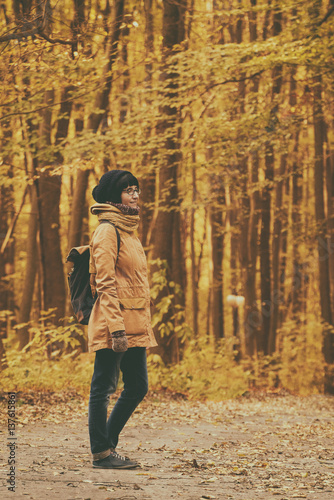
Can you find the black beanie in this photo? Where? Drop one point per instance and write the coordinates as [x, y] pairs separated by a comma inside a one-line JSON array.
[[110, 186]]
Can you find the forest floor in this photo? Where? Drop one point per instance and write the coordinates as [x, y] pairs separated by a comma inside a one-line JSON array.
[[260, 446]]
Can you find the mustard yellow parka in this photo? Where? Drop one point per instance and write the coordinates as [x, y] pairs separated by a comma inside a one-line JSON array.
[[123, 301]]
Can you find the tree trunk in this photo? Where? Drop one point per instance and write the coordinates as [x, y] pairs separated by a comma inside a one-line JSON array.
[[165, 238], [319, 137], [217, 245], [298, 275], [32, 259], [280, 220], [252, 322], [265, 261], [148, 185], [194, 266], [124, 103], [7, 244], [48, 200], [77, 23], [101, 103], [7, 218], [6, 268], [3, 357], [78, 208], [30, 274], [240, 253], [268, 305], [323, 251], [22, 9], [279, 212], [329, 158], [330, 211], [297, 223]]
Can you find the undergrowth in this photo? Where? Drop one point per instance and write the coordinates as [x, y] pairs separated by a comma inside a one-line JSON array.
[[205, 371]]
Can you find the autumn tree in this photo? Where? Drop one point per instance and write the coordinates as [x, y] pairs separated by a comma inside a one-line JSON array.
[[166, 234]]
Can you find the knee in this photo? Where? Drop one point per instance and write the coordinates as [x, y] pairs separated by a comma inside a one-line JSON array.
[[143, 390], [136, 393], [102, 391]]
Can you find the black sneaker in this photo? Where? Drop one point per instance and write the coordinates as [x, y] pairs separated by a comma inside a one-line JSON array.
[[115, 461]]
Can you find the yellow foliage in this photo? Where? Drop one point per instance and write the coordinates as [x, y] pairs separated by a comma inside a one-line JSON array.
[[206, 371], [36, 372]]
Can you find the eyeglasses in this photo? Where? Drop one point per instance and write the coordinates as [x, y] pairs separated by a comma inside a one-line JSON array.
[[131, 191]]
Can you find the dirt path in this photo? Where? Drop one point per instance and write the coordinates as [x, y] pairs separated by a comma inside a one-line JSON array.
[[278, 447]]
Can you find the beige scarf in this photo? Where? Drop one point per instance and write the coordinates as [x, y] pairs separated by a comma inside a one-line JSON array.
[[128, 223]]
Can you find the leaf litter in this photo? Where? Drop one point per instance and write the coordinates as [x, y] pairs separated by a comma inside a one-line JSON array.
[[254, 447]]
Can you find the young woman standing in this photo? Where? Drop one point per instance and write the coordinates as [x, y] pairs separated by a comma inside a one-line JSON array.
[[119, 329]]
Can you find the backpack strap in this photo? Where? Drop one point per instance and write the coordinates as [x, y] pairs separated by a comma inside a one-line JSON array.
[[104, 221]]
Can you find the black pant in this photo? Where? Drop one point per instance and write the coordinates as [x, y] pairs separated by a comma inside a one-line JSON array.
[[104, 432]]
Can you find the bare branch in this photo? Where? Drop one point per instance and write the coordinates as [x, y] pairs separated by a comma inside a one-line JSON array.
[[36, 27], [232, 80], [329, 13], [33, 33], [19, 35], [56, 40], [13, 223]]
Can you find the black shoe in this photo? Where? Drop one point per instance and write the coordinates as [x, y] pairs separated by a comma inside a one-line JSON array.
[[115, 461]]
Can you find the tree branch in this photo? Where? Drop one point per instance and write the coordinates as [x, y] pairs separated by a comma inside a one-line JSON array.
[[13, 223], [232, 80], [56, 40], [329, 13], [33, 33], [18, 36], [59, 103]]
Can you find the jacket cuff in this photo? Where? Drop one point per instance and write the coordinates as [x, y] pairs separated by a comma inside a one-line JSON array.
[[118, 333]]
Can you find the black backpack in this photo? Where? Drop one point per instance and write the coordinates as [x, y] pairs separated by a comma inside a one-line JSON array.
[[78, 278]]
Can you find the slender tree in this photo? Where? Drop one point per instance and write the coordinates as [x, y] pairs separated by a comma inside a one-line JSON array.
[[48, 200], [250, 224], [30, 272], [100, 112], [298, 306], [165, 237], [148, 184], [319, 130], [267, 335], [217, 222], [323, 251]]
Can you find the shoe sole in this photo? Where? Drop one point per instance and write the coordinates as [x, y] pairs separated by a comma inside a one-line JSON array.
[[116, 467]]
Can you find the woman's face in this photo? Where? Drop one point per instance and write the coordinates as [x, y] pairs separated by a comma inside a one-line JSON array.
[[130, 196]]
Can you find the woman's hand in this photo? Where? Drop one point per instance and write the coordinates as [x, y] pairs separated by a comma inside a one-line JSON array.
[[119, 341]]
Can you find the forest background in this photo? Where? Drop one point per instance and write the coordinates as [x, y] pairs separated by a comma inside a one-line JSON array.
[[224, 111]]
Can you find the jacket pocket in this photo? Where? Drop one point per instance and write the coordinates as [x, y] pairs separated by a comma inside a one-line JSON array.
[[133, 303]]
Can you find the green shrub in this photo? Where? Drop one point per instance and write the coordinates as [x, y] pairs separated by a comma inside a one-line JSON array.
[[51, 361], [205, 372]]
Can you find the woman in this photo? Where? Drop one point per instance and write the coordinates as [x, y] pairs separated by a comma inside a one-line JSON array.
[[119, 328]]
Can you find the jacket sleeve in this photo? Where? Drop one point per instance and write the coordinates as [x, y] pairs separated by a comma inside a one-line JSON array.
[[104, 253]]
